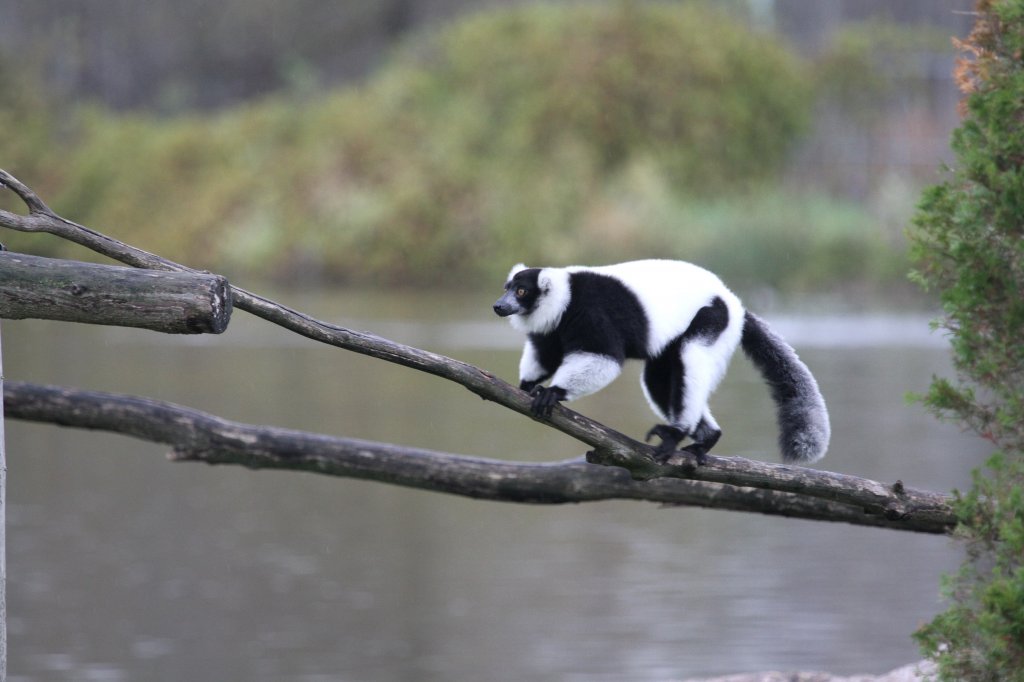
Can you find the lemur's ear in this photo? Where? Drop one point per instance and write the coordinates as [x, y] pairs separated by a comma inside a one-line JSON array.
[[518, 267]]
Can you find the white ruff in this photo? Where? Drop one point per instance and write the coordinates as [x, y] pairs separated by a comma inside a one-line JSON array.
[[553, 300]]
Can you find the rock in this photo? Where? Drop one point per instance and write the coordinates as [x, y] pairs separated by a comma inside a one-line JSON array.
[[914, 672]]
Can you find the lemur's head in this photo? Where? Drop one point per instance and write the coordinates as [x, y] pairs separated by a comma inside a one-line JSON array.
[[535, 297], [522, 291]]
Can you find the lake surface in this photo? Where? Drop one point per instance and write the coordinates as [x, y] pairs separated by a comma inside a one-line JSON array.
[[124, 566]]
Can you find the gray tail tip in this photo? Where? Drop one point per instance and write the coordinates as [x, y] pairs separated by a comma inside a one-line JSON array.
[[804, 448]]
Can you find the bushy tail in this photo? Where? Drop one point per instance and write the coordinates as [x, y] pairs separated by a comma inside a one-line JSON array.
[[803, 419]]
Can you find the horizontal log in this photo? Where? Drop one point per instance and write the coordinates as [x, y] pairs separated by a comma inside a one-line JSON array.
[[202, 437], [73, 291]]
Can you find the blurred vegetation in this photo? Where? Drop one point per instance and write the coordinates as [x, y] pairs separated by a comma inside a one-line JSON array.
[[27, 121], [868, 62], [548, 134]]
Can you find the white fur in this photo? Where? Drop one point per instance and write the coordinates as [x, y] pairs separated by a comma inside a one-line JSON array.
[[554, 299], [530, 368], [710, 421], [704, 370], [581, 374], [706, 365]]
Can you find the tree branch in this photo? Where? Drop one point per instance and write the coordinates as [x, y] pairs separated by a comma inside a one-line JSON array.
[[894, 502], [202, 437]]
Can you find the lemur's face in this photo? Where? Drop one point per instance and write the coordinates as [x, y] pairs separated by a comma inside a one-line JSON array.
[[522, 292]]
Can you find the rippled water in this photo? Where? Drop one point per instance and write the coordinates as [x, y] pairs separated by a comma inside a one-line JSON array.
[[123, 566]]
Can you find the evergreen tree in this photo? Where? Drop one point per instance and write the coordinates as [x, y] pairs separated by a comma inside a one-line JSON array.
[[968, 245]]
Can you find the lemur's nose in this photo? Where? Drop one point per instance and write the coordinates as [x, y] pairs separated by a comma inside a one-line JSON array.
[[502, 308]]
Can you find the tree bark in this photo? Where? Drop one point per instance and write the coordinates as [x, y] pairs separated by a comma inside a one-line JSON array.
[[3, 532], [198, 436], [72, 291]]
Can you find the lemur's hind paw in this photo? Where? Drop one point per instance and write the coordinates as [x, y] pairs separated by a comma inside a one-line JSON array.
[[699, 452], [670, 438], [704, 438]]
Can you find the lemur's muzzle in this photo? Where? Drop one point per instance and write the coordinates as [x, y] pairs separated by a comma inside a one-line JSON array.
[[507, 305]]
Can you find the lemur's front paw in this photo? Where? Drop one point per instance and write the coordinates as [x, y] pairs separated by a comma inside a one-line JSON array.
[[544, 400]]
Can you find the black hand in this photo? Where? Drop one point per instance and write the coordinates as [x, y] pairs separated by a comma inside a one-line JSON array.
[[545, 399]]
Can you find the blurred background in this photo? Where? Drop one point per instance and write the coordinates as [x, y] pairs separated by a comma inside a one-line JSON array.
[[381, 165], [782, 143]]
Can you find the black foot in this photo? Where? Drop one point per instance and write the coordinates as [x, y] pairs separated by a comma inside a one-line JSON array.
[[699, 452], [704, 438], [670, 438], [545, 399]]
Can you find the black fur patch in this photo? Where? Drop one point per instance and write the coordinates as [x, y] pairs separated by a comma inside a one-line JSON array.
[[603, 316], [709, 322], [549, 350], [664, 377]]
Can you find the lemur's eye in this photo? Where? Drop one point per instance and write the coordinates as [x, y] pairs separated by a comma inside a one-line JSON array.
[[520, 292]]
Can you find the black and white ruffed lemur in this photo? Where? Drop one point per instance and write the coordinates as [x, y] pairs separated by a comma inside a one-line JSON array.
[[582, 323]]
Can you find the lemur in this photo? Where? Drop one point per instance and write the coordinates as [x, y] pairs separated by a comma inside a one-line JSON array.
[[582, 323]]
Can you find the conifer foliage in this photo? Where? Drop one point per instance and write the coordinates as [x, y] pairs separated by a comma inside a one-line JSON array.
[[968, 245]]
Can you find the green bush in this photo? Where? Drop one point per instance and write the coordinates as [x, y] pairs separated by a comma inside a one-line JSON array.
[[496, 139], [968, 244], [713, 104]]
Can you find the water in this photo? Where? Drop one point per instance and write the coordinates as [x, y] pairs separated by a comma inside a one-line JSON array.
[[123, 566]]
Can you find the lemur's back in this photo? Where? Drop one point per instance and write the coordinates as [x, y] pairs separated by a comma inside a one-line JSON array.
[[671, 293]]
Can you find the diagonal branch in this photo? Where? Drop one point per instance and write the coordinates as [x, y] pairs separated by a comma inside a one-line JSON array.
[[42, 219], [609, 446], [198, 436]]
